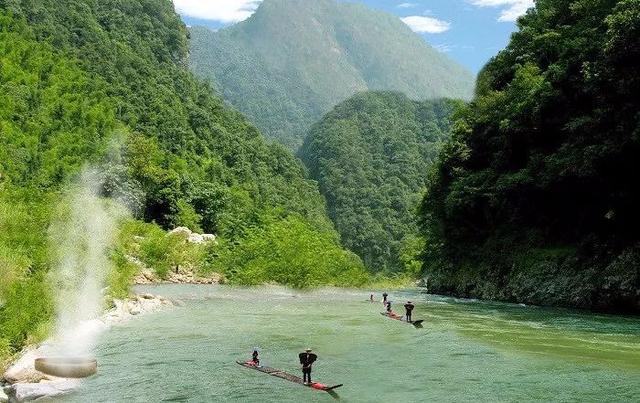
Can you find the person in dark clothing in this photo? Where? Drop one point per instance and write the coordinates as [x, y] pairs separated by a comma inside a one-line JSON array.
[[388, 303], [254, 357], [408, 308], [384, 298], [306, 360]]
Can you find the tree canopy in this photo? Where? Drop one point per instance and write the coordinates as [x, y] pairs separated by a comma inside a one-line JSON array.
[[535, 197], [105, 83], [369, 155]]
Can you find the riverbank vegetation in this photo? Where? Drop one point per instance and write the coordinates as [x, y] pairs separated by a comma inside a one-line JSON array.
[[290, 252], [535, 197], [105, 84]]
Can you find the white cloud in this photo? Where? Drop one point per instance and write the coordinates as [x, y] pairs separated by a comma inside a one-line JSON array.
[[225, 11], [406, 5], [423, 24], [511, 9]]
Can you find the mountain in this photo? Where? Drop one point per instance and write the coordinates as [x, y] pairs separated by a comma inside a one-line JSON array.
[[129, 83], [293, 60], [535, 199], [104, 83], [369, 155]]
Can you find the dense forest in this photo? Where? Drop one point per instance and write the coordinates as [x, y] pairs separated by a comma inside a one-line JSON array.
[[535, 198], [369, 155], [293, 60], [105, 83]]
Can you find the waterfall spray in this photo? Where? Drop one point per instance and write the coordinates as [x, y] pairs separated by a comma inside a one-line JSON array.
[[81, 237]]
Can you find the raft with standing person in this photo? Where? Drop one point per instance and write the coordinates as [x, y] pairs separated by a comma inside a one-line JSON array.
[[407, 318], [306, 358]]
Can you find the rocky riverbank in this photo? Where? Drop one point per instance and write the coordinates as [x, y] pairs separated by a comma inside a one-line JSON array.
[[181, 274], [21, 382]]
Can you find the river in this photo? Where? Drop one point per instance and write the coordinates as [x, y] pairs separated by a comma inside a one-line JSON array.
[[467, 351]]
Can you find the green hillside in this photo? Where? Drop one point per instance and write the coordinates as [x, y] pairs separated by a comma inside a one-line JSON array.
[[369, 155], [536, 197], [293, 60], [104, 83]]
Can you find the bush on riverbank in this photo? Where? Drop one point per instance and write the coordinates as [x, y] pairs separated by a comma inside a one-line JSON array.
[[25, 299], [290, 252], [156, 249]]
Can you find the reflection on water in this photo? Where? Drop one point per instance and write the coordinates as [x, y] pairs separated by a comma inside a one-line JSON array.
[[467, 350]]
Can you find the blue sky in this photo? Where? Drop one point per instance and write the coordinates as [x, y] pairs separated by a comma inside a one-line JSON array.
[[469, 31]]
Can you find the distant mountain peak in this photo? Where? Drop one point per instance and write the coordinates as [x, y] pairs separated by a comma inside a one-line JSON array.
[[293, 60]]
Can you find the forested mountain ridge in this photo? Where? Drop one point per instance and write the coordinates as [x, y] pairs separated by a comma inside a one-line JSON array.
[[535, 198], [143, 78], [105, 83], [369, 155], [293, 60]]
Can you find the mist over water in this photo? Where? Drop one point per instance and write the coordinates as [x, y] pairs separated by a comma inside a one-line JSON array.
[[80, 238]]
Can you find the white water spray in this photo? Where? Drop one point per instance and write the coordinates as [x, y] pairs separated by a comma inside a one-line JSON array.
[[84, 231]]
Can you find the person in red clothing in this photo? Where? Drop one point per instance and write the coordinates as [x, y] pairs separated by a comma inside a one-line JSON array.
[[254, 358]]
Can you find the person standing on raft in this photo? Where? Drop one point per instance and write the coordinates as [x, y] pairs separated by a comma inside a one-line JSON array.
[[306, 360], [408, 308], [384, 298]]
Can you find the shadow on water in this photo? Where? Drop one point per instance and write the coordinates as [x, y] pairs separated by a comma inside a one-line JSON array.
[[574, 335]]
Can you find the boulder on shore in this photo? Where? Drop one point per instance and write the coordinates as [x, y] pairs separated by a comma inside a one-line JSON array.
[[141, 304], [182, 276], [193, 237], [25, 392], [23, 370]]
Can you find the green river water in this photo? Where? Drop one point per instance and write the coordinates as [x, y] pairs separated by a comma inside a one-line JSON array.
[[467, 350]]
